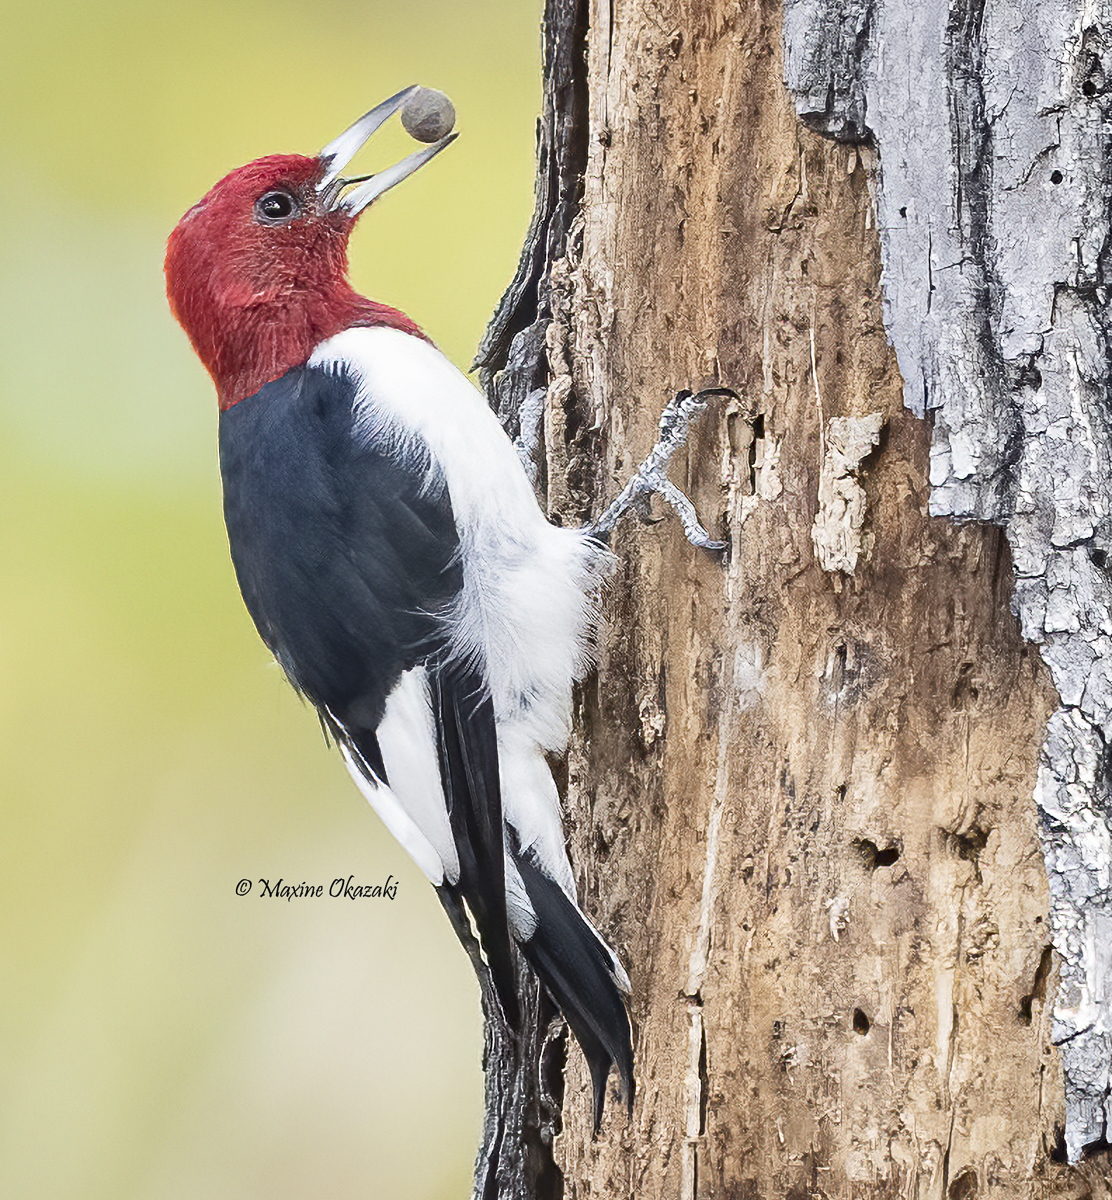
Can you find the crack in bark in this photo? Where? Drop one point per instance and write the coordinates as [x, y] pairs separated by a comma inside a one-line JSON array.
[[696, 1079], [524, 1074]]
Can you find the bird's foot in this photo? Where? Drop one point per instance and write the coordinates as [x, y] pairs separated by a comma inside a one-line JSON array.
[[650, 476]]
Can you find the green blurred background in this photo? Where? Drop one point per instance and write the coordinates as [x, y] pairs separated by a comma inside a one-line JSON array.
[[160, 1037]]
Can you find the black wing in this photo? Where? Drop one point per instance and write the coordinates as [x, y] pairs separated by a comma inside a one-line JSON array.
[[347, 555]]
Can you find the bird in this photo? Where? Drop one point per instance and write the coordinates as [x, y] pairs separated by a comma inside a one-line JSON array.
[[395, 561]]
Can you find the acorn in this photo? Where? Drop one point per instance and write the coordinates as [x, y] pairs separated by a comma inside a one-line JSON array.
[[428, 115]]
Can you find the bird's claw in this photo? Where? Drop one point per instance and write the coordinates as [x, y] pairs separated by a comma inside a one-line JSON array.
[[675, 421]]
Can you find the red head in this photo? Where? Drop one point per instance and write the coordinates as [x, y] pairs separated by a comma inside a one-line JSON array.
[[256, 271]]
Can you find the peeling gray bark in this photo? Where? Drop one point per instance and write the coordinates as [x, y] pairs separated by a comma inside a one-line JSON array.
[[994, 198]]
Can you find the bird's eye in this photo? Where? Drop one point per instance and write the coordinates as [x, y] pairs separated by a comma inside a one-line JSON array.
[[275, 208]]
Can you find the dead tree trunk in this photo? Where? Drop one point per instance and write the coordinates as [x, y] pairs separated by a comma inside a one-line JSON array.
[[816, 792]]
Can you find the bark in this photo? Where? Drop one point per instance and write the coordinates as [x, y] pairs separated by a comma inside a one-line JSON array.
[[801, 791]]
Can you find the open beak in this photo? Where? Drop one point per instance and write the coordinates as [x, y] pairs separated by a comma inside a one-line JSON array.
[[339, 152]]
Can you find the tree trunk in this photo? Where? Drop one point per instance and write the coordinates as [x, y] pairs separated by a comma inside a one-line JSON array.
[[802, 790]]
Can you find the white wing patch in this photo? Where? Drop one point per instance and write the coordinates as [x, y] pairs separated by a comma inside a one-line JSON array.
[[413, 806]]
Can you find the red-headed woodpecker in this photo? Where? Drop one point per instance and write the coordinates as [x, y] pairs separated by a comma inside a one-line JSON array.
[[395, 561]]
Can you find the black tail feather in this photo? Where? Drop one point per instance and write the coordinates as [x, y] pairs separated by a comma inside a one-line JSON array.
[[566, 953], [468, 752]]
